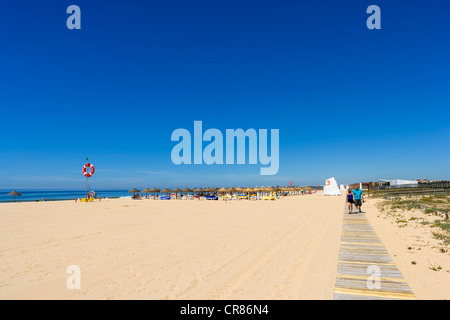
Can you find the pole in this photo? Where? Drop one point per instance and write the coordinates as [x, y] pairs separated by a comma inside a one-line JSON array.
[[87, 159]]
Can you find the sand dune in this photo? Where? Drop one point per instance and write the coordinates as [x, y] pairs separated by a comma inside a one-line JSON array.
[[285, 249]]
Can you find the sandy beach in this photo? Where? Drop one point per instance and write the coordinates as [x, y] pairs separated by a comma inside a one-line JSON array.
[[147, 249], [198, 249], [423, 260]]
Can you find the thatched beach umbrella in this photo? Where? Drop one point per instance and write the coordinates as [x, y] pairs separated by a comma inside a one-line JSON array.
[[134, 190], [146, 191], [266, 190], [154, 191], [14, 193], [231, 190], [198, 190], [177, 191], [209, 190], [166, 190], [248, 191], [222, 190], [186, 190]]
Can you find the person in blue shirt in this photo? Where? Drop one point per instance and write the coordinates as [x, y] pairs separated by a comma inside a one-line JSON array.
[[358, 197]]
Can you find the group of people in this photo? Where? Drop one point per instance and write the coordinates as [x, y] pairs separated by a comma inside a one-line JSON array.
[[356, 197]]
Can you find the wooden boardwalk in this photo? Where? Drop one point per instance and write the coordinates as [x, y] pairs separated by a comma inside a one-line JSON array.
[[363, 260]]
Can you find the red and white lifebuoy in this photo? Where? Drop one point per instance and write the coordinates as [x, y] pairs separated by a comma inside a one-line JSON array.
[[88, 174]]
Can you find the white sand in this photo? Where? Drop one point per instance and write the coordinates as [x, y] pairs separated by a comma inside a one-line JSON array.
[[284, 249]]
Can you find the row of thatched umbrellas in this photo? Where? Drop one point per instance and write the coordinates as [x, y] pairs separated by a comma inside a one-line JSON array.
[[209, 190]]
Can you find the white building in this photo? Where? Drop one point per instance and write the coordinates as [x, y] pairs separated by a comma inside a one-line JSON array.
[[399, 182]]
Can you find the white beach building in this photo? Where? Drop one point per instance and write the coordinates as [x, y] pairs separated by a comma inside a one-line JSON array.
[[398, 182]]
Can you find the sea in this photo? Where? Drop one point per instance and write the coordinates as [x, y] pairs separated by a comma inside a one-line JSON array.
[[36, 195]]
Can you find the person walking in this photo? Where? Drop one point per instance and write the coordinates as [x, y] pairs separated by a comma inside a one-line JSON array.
[[350, 201], [358, 197]]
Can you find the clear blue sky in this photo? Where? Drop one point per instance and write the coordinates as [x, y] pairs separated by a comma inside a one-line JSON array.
[[349, 102]]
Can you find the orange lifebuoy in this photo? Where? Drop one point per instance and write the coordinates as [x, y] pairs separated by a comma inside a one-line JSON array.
[[88, 174]]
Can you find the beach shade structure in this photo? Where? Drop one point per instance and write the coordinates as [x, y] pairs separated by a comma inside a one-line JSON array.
[[239, 189], [186, 190], [15, 194], [134, 191], [154, 191], [198, 190], [222, 190], [231, 190], [146, 191], [177, 191], [166, 190], [248, 191]]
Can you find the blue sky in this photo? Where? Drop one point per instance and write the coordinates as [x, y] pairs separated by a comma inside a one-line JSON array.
[[349, 102]]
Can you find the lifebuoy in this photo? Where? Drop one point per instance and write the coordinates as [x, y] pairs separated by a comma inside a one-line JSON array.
[[85, 173]]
